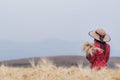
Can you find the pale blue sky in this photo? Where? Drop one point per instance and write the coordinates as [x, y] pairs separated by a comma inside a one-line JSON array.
[[31, 21]]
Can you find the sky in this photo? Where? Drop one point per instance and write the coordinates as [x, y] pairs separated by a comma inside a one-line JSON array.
[[31, 21]]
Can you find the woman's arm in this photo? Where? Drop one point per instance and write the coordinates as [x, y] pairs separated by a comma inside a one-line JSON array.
[[107, 53], [91, 58]]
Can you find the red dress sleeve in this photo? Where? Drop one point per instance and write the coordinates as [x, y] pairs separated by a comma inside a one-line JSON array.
[[91, 58], [107, 55]]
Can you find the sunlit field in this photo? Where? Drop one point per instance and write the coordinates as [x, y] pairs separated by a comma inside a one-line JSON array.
[[45, 70]]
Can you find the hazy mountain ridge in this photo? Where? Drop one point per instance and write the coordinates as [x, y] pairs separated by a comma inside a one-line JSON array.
[[9, 49], [50, 47]]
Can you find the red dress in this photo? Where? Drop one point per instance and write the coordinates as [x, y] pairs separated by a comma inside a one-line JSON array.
[[99, 59]]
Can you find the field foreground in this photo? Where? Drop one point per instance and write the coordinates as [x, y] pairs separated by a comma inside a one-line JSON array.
[[45, 70]]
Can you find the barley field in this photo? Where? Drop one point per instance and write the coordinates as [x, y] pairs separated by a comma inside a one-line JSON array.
[[46, 70]]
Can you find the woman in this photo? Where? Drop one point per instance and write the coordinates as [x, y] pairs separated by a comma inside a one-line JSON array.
[[100, 56]]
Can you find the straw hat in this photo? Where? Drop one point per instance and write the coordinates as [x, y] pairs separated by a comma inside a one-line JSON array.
[[100, 35]]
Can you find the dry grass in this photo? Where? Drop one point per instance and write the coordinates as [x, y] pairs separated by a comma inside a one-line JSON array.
[[45, 70], [89, 48]]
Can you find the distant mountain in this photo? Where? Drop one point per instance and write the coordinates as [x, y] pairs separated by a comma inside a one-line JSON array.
[[58, 61], [15, 50], [51, 47]]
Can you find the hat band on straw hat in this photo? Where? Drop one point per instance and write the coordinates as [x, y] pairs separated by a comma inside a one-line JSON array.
[[101, 37]]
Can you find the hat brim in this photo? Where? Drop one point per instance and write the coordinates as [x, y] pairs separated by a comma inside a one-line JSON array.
[[96, 36]]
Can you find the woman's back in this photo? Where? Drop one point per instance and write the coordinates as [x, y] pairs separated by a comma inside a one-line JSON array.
[[101, 55]]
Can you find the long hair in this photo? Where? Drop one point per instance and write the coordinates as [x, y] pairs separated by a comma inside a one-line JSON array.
[[102, 45]]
